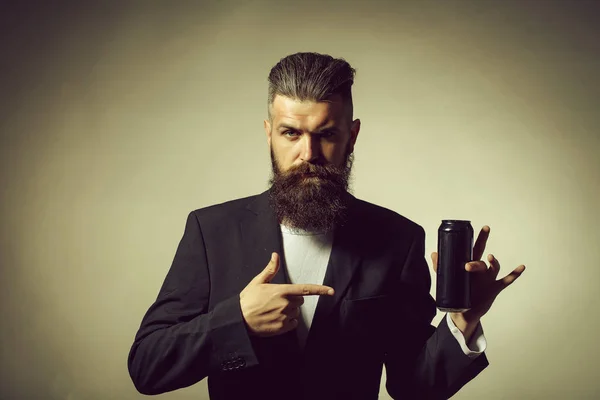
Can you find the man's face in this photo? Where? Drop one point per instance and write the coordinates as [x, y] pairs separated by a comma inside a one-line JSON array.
[[311, 145], [310, 132]]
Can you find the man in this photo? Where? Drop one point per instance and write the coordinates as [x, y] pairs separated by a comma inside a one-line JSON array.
[[304, 291]]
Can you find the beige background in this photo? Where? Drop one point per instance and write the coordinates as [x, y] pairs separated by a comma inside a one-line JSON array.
[[119, 119]]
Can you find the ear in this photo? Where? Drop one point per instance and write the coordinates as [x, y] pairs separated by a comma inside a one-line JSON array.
[[267, 125], [354, 129]]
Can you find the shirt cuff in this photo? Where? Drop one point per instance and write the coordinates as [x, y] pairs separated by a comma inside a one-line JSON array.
[[477, 344]]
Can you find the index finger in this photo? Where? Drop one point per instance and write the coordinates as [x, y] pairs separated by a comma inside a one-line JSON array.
[[305, 289], [480, 243]]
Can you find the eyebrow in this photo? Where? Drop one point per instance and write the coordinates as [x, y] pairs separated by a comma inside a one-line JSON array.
[[319, 130]]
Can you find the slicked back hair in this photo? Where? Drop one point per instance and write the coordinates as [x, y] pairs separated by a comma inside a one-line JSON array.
[[311, 77]]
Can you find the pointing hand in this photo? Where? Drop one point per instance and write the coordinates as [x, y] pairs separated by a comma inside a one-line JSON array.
[[272, 309]]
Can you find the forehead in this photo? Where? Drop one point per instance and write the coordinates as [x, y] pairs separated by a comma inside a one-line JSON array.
[[286, 110]]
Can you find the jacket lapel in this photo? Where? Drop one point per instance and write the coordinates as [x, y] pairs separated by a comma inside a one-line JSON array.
[[344, 260], [261, 236]]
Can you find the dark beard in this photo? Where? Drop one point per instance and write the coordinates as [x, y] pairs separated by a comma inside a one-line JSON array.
[[317, 204]]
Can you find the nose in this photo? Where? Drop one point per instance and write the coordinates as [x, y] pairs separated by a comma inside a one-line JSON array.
[[311, 148]]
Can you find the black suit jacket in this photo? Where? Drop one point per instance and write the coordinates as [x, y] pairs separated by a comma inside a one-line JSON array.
[[380, 314]]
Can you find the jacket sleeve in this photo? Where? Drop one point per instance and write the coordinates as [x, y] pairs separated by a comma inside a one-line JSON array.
[[426, 363], [182, 339]]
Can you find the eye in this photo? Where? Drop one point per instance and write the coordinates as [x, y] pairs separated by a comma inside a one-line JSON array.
[[328, 135], [289, 133]]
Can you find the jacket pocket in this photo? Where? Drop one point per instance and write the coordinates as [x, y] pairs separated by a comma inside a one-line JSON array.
[[366, 316], [364, 325]]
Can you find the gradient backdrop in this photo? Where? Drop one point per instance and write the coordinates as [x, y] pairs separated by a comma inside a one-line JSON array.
[[118, 118]]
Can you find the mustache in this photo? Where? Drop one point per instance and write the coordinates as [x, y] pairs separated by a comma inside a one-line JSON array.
[[323, 171]]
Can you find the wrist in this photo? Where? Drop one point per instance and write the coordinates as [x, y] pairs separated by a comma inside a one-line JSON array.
[[466, 327]]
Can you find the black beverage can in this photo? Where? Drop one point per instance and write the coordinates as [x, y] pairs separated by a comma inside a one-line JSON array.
[[455, 249]]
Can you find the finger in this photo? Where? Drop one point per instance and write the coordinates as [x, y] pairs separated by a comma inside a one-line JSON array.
[[434, 259], [476, 266], [292, 312], [305, 289], [510, 278], [494, 265], [480, 243], [296, 301], [269, 272], [289, 324]]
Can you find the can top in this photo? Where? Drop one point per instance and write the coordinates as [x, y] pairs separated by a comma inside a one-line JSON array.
[[455, 221]]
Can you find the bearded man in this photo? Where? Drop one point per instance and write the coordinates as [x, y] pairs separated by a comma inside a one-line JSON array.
[[305, 291]]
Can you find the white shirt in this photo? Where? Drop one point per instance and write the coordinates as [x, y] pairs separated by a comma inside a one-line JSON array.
[[306, 258]]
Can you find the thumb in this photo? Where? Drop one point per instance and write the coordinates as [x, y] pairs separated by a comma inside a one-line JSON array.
[[434, 261], [269, 272]]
